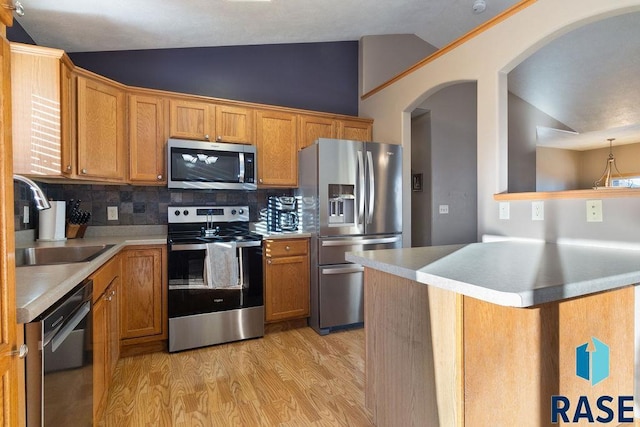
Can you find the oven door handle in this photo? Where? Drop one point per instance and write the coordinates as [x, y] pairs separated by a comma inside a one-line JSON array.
[[59, 337], [203, 246]]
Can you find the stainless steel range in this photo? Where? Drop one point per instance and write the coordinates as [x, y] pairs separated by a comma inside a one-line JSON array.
[[215, 276]]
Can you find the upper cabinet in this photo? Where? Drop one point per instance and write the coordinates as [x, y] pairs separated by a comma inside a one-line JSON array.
[[101, 130], [147, 140], [314, 127], [210, 122], [191, 120], [72, 123], [234, 124], [277, 148], [42, 117], [356, 130]]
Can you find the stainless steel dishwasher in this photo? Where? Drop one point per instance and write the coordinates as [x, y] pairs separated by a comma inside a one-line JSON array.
[[59, 373]]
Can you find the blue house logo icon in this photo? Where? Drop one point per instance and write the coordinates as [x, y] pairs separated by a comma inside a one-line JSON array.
[[592, 364]]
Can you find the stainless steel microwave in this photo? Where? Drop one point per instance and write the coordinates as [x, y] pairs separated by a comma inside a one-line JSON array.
[[210, 165]]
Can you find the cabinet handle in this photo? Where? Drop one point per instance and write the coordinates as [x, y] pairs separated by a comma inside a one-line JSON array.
[[260, 180], [269, 261], [21, 352], [206, 137], [218, 138], [287, 248], [159, 177], [68, 167], [84, 171]]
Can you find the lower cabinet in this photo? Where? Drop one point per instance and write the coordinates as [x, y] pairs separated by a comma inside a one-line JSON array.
[[143, 310], [106, 331], [286, 285]]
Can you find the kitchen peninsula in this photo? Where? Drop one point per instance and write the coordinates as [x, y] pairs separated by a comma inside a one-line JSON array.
[[486, 333]]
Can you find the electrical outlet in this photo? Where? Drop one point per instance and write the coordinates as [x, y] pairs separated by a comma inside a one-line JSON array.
[[594, 210], [444, 209], [25, 215], [112, 213], [504, 210], [537, 211]]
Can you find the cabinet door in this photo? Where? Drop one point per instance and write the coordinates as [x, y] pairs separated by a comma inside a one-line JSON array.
[[286, 288], [354, 130], [101, 147], [35, 99], [147, 140], [143, 296], [277, 148], [234, 124], [10, 367], [313, 127], [191, 120], [113, 327]]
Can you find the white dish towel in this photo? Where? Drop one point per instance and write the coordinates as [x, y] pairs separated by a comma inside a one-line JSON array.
[[221, 266]]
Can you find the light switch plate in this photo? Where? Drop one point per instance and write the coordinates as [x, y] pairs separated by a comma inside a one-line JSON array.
[[537, 211], [112, 213], [504, 210], [444, 209], [594, 210]]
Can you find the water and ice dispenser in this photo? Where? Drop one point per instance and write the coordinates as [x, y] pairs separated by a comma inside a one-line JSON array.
[[341, 205]]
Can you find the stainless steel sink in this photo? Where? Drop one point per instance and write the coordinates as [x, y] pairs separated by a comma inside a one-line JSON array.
[[58, 255]]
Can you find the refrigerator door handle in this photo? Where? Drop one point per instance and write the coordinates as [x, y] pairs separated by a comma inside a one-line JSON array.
[[372, 187], [356, 242], [361, 190]]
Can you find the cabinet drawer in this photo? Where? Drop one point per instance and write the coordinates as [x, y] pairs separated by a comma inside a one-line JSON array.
[[104, 276], [278, 248]]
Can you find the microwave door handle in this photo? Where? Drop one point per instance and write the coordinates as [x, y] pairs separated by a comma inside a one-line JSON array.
[[372, 186], [360, 192], [241, 174]]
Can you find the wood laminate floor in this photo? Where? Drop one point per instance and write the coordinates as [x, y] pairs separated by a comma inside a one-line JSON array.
[[291, 377]]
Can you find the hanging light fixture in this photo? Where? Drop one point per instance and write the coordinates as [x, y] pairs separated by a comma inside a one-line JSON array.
[[605, 180]]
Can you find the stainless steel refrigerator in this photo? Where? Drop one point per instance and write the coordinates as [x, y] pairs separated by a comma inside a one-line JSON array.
[[350, 196]]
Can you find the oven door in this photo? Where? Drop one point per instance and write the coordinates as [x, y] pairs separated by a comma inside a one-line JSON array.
[[189, 293], [194, 164]]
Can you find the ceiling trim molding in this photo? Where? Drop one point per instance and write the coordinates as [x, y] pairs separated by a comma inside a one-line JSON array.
[[454, 44]]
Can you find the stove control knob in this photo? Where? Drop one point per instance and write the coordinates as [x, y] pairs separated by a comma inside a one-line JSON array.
[[233, 212], [186, 212], [241, 211], [177, 212]]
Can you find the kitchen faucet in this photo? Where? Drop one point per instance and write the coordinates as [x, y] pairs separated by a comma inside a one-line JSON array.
[[38, 195]]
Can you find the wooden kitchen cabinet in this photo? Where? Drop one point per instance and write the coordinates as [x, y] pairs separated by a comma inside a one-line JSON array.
[[106, 331], [101, 129], [43, 124], [210, 122], [355, 130], [286, 283], [234, 124], [277, 148], [147, 140], [191, 120], [314, 127], [143, 299]]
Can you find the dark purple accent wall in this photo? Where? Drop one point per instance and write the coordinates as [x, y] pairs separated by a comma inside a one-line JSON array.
[[312, 76], [16, 33]]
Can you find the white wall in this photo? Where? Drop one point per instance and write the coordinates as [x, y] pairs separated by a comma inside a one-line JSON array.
[[382, 57], [487, 59]]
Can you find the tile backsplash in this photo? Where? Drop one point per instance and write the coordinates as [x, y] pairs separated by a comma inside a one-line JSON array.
[[136, 205]]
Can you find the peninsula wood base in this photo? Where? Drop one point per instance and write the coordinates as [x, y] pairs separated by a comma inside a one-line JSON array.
[[436, 358]]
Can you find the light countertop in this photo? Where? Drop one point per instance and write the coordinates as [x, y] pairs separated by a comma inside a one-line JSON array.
[[509, 273], [38, 287]]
